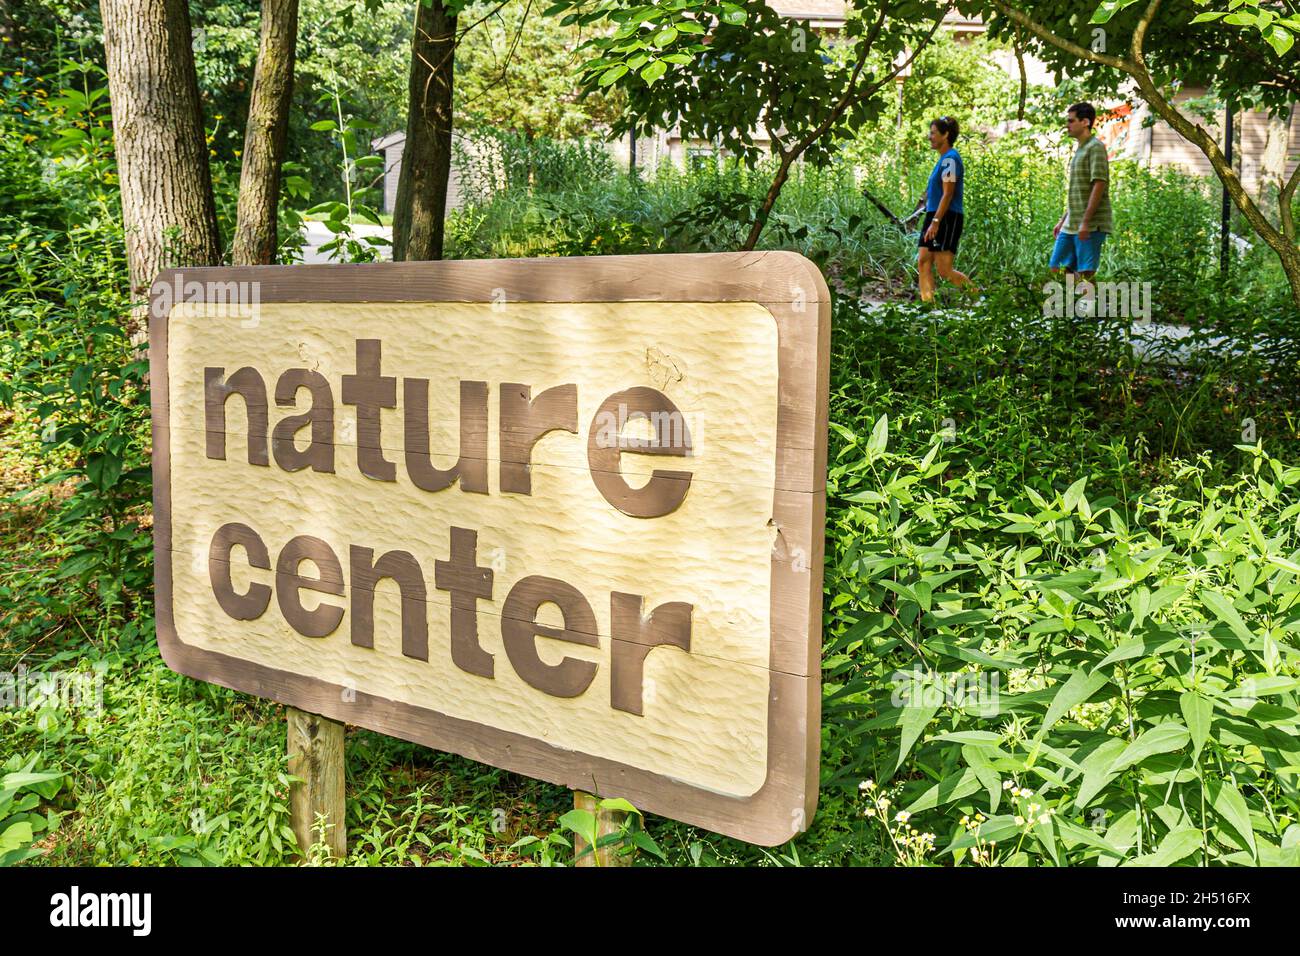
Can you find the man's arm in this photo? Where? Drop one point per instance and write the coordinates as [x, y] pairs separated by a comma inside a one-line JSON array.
[[1094, 200]]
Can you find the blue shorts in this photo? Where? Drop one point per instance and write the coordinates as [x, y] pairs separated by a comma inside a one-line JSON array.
[[1074, 255]]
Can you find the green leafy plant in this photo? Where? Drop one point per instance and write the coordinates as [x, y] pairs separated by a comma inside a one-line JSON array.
[[23, 786], [628, 838], [1133, 666], [347, 246]]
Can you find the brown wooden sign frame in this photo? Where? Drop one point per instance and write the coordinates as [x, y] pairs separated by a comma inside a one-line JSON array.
[[795, 294]]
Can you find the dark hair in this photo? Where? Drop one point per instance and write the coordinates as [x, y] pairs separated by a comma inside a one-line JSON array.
[[948, 126], [1084, 111]]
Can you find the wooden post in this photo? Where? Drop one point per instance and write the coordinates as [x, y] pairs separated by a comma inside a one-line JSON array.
[[316, 758], [607, 822]]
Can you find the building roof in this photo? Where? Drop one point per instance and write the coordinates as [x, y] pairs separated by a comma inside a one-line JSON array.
[[389, 139], [816, 11], [831, 13]]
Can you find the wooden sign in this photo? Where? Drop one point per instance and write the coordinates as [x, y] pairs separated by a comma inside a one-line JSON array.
[[562, 516]]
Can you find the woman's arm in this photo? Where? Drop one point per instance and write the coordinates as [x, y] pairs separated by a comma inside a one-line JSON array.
[[949, 190]]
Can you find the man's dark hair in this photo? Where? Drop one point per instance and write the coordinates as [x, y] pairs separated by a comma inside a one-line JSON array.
[[1084, 111], [948, 126]]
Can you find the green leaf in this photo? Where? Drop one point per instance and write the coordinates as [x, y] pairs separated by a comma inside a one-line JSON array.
[[653, 70], [1197, 711], [619, 804], [323, 125], [13, 781], [1097, 770], [1142, 647], [665, 36], [1077, 834], [1280, 40], [947, 790], [732, 14], [15, 835], [1160, 739], [103, 470], [1231, 807], [915, 719], [994, 828], [582, 823], [879, 437], [1073, 494], [1109, 8], [1176, 845], [646, 842], [1072, 693], [1226, 613], [612, 74], [977, 759]]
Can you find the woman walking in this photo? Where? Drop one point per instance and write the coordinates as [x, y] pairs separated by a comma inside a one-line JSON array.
[[941, 231]]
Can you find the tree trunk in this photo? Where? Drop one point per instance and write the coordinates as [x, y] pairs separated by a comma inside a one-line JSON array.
[[1272, 164], [8, 35], [426, 156], [1282, 243], [264, 139], [162, 159]]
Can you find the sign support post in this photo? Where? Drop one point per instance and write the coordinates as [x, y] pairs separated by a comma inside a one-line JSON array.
[[607, 822], [315, 746]]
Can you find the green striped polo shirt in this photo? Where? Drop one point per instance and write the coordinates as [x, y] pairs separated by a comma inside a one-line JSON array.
[[1088, 165]]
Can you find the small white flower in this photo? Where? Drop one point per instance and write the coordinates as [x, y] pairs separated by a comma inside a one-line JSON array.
[[1020, 821], [867, 785], [1008, 784], [902, 816]]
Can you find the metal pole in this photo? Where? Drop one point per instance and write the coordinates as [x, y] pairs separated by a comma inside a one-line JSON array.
[[1226, 220]]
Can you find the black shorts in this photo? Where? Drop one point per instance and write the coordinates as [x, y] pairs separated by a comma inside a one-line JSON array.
[[948, 235]]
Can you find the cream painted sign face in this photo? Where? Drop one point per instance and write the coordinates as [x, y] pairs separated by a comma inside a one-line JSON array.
[[561, 516]]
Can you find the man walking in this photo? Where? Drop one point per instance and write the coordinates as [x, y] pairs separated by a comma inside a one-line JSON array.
[[1087, 219]]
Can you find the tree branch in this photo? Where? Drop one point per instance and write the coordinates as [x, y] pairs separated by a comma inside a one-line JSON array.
[[1285, 198], [1069, 46]]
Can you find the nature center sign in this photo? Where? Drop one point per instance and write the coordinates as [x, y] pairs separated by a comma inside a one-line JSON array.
[[562, 516]]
